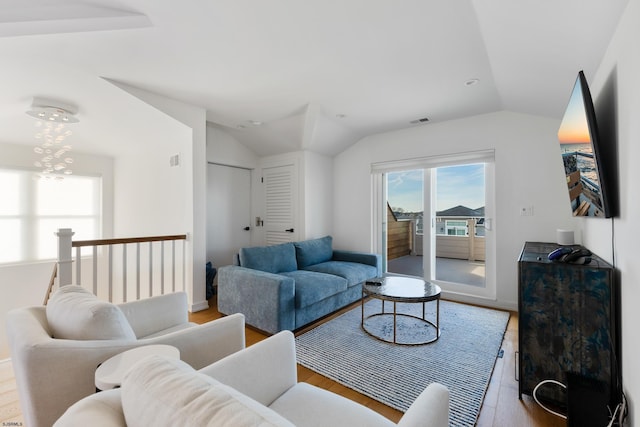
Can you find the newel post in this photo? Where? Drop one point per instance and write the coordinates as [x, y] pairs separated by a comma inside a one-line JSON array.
[[65, 259]]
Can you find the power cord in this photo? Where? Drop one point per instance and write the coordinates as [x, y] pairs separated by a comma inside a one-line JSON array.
[[617, 418], [620, 411], [541, 405]]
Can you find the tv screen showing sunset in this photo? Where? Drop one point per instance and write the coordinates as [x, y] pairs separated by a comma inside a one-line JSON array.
[[578, 157]]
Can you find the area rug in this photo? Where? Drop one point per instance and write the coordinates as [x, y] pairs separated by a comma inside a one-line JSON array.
[[462, 358]]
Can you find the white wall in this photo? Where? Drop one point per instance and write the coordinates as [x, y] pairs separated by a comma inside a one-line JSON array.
[[616, 94], [224, 149], [528, 172], [153, 198], [318, 194], [25, 283]]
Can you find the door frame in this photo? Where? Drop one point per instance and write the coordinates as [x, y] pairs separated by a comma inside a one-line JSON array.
[[250, 171], [378, 170]]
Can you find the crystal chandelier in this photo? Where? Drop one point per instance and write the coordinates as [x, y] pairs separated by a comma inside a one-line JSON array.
[[53, 160]]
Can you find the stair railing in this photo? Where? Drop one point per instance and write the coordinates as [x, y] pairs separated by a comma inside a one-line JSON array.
[[134, 250]]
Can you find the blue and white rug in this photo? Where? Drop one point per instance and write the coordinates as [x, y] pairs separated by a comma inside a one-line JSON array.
[[462, 358]]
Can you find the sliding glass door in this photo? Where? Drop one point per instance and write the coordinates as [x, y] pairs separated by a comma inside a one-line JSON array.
[[435, 222]]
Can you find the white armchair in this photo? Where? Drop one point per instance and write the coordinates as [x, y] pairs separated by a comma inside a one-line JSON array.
[[255, 386], [52, 373]]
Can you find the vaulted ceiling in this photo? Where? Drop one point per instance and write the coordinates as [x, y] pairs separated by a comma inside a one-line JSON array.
[[284, 75]]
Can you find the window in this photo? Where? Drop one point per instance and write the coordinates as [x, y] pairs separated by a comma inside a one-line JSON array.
[[33, 209], [456, 228]]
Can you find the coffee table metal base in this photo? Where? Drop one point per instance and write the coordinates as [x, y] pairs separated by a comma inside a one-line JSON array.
[[395, 316]]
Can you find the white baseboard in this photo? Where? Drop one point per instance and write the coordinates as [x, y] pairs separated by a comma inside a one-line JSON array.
[[485, 302], [199, 306]]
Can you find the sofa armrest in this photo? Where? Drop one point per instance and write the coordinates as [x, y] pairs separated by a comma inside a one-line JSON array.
[[373, 260], [199, 345], [102, 409], [267, 300], [431, 408], [263, 371], [151, 315]]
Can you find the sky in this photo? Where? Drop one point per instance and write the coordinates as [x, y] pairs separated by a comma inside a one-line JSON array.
[[574, 128], [456, 185]]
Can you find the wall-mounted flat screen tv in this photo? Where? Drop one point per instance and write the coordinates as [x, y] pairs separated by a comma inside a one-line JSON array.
[[581, 148]]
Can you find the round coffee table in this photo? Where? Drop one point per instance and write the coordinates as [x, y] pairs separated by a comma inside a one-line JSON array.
[[406, 290]]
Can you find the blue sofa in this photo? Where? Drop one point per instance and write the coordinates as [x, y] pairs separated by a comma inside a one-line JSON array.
[[290, 285]]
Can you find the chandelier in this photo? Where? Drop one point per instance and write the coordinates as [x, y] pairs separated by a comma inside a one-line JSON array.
[[53, 158]]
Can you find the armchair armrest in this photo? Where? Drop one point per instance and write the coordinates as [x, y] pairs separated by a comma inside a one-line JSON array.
[[431, 408], [263, 371], [201, 344], [151, 315], [267, 300], [102, 409], [374, 260]]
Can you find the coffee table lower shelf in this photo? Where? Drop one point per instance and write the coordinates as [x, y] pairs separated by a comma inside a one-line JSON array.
[[402, 289], [395, 316]]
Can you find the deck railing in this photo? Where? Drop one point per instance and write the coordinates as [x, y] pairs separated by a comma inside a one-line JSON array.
[[155, 268]]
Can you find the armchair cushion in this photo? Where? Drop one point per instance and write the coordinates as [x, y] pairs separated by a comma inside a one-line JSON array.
[[272, 259], [165, 392], [74, 313], [314, 251]]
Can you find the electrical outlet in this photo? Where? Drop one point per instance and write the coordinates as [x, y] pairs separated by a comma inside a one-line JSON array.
[[526, 211]]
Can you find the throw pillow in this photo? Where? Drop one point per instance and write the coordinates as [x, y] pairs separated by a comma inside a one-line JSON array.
[[314, 251], [74, 313], [159, 391], [272, 259]]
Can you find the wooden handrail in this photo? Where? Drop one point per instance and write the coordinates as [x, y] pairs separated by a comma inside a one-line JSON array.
[[105, 258], [125, 240], [52, 282]]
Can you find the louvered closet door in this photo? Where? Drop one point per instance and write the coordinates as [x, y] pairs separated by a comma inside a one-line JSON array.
[[280, 187]]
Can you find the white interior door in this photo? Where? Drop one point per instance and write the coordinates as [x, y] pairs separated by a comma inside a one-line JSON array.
[[228, 212], [280, 189]]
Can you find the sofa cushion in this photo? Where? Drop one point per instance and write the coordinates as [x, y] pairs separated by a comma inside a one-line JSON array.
[[74, 313], [314, 251], [352, 271], [272, 259], [311, 287], [159, 391]]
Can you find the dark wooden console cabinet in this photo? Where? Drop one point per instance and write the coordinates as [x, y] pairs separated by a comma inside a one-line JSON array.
[[568, 322]]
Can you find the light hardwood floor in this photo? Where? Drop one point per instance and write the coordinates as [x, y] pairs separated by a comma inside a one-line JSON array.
[[501, 405]]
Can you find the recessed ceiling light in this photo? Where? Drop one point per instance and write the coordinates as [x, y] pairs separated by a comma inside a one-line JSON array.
[[255, 122], [472, 82]]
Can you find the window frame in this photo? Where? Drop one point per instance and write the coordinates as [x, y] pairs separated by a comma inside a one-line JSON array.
[[30, 248]]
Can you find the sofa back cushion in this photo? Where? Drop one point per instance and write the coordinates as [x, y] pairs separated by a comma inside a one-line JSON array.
[[159, 391], [74, 313], [272, 259], [314, 251]]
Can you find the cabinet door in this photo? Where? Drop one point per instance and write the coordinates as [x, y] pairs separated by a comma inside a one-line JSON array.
[[565, 325]]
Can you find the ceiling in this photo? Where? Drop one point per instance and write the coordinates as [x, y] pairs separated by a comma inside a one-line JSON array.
[[317, 74]]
